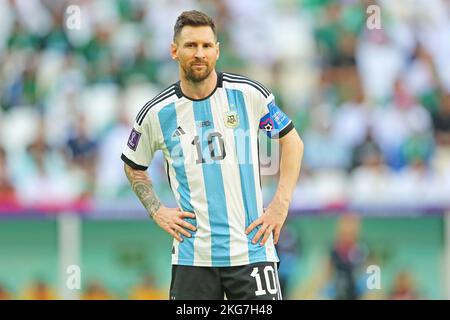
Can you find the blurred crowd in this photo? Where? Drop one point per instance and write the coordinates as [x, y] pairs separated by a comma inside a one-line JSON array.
[[371, 104]]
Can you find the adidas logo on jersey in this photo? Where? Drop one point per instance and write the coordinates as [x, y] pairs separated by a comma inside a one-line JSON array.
[[178, 132]]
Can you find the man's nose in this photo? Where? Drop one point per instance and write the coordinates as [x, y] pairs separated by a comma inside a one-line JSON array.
[[200, 53]]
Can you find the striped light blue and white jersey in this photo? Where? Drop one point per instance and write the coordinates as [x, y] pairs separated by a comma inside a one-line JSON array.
[[211, 151]]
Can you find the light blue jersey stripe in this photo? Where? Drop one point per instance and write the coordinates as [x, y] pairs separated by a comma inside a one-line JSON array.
[[168, 123], [214, 188], [243, 144]]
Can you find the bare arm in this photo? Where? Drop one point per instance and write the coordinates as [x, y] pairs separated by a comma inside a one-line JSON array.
[[169, 219], [291, 158], [142, 187], [273, 218]]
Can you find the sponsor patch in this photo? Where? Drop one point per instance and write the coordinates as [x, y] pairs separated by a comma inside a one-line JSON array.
[[133, 140]]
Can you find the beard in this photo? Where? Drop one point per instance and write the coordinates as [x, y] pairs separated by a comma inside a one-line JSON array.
[[195, 74]]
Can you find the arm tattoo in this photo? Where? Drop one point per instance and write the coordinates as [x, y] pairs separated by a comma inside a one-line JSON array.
[[142, 187]]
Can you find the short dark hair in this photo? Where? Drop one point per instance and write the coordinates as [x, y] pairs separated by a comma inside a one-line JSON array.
[[193, 18]]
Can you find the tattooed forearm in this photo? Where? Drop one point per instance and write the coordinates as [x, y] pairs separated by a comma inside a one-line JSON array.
[[142, 186]]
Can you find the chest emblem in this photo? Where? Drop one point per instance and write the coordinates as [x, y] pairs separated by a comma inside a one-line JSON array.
[[231, 119]]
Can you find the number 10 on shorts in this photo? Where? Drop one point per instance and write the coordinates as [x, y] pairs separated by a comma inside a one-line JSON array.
[[270, 280]]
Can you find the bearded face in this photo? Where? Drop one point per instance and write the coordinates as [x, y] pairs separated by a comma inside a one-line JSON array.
[[197, 51], [197, 70]]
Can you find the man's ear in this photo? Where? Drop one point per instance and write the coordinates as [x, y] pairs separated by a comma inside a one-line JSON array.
[[173, 51], [218, 49]]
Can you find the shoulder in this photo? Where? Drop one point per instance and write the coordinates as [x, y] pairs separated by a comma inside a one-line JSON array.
[[166, 96], [244, 83]]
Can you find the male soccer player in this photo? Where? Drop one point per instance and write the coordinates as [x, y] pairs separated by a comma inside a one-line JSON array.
[[207, 126]]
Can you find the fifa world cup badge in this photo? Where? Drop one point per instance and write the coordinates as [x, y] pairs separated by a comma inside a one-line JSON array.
[[231, 119]]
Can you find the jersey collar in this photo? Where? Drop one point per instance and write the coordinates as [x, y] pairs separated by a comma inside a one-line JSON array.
[[180, 93]]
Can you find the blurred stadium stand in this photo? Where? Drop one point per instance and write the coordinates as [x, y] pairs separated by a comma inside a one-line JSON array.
[[372, 106]]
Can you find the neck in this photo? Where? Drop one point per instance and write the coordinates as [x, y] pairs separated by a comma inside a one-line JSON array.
[[199, 90]]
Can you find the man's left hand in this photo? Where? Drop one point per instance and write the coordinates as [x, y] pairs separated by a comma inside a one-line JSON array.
[[271, 220]]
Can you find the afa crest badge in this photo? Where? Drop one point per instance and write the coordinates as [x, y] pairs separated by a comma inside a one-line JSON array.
[[231, 119]]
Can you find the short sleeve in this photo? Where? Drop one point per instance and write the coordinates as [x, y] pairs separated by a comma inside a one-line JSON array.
[[274, 122], [268, 116], [141, 145]]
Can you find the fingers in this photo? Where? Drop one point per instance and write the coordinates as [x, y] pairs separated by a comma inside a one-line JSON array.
[[276, 235], [174, 234], [181, 230], [267, 234], [179, 227], [185, 214], [260, 233], [176, 231], [171, 220], [186, 225], [252, 226]]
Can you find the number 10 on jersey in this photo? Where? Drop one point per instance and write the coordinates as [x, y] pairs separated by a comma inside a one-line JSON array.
[[216, 153]]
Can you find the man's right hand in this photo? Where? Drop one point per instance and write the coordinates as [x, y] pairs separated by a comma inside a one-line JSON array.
[[171, 220]]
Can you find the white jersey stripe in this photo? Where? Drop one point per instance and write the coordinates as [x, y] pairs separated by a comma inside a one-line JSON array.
[[213, 181], [246, 171], [169, 123], [232, 185], [202, 242]]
